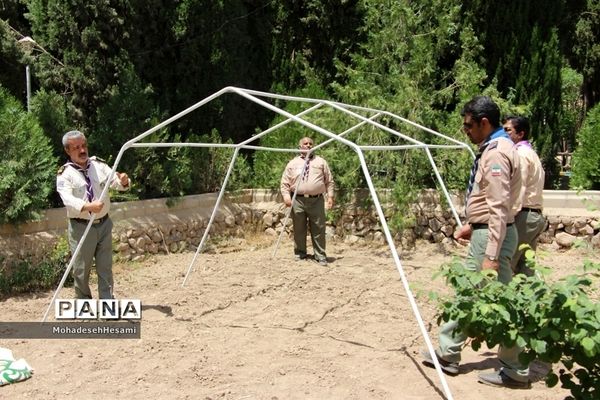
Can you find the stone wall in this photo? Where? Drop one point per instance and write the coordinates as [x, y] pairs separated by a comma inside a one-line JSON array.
[[162, 226]]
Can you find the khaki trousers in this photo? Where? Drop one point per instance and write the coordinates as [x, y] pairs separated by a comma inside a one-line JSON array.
[[308, 214], [530, 225], [98, 246], [451, 342]]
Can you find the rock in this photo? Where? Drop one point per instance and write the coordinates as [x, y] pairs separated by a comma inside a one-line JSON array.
[[268, 219], [438, 237], [155, 236], [571, 229], [566, 221], [435, 225], [546, 237], [586, 230], [553, 220], [230, 221], [152, 248], [241, 218], [379, 237], [564, 239], [351, 239], [122, 247], [447, 230], [427, 234], [596, 241], [133, 233]]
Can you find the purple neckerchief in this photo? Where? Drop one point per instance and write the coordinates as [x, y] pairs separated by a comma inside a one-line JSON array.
[[307, 166], [523, 143], [89, 190]]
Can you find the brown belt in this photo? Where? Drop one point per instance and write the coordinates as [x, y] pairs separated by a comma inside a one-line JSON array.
[[483, 226], [535, 210], [307, 195], [85, 221]]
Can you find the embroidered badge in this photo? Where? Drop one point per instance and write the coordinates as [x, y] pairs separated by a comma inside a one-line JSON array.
[[496, 170]]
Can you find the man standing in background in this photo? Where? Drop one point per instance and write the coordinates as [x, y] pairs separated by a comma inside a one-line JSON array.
[[309, 175], [529, 221]]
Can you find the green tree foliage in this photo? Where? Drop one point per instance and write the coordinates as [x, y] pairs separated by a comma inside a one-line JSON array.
[[540, 86], [27, 167], [572, 110], [176, 171], [586, 158], [191, 49], [309, 37], [50, 109], [418, 62], [552, 322], [122, 65], [585, 49], [128, 111], [88, 37], [268, 165], [12, 67], [525, 64]]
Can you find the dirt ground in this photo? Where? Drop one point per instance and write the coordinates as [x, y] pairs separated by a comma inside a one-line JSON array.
[[249, 326]]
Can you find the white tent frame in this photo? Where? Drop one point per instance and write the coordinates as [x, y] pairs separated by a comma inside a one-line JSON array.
[[350, 110]]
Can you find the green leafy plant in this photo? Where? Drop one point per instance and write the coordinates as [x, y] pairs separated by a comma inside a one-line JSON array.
[[27, 166], [552, 322], [27, 275]]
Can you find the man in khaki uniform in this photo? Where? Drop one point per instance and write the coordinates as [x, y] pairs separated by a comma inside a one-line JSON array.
[[494, 185], [529, 221], [309, 175]]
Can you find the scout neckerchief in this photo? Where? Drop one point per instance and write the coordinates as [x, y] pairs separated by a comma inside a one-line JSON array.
[[524, 143], [307, 166], [89, 191], [497, 134]]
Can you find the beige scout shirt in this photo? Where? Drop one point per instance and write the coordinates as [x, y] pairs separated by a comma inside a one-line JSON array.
[[532, 176], [70, 184], [495, 191], [318, 180]]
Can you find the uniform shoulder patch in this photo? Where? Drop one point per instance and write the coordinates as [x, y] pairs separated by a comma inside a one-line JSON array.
[[96, 158], [61, 170], [493, 145]]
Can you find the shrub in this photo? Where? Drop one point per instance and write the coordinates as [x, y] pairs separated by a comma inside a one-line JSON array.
[[27, 275], [551, 322], [586, 158], [27, 166]]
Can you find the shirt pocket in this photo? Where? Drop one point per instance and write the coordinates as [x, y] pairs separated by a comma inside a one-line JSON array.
[[79, 191], [479, 184]]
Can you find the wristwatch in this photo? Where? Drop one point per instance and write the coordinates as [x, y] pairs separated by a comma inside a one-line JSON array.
[[491, 258]]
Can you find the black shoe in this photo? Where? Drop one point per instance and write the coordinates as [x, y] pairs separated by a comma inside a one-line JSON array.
[[450, 368], [299, 257], [500, 379]]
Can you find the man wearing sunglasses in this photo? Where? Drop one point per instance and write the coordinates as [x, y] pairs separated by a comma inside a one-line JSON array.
[[491, 203]]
